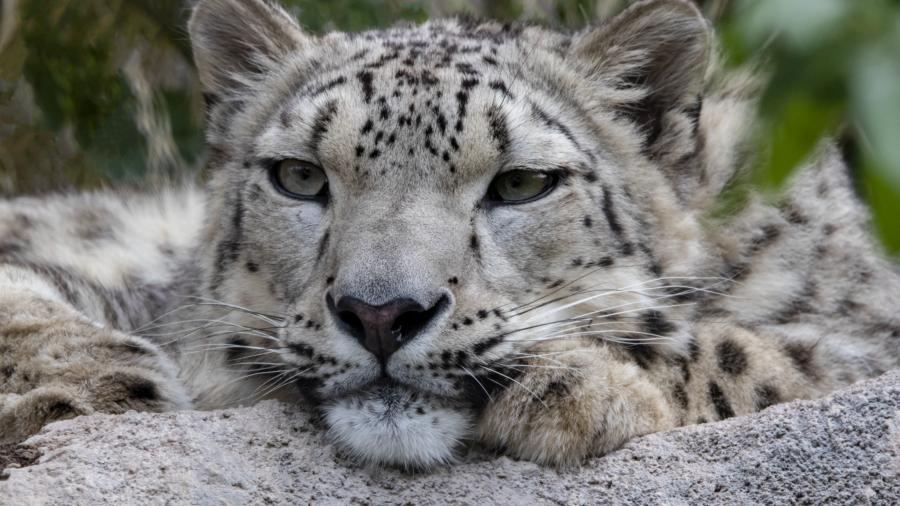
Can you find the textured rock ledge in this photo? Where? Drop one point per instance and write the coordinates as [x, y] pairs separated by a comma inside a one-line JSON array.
[[844, 449]]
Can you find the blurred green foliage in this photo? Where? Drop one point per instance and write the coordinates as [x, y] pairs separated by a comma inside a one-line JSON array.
[[97, 91], [834, 69]]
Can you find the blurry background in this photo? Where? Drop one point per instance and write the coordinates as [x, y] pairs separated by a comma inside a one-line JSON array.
[[102, 92]]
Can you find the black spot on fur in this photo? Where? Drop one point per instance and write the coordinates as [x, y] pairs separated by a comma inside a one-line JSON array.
[[499, 129], [656, 323], [610, 213], [60, 409], [555, 124], [321, 123], [323, 245], [252, 266], [462, 101], [802, 356], [143, 390], [303, 350], [680, 396], [767, 236], [501, 87], [556, 388], [685, 368], [643, 354], [731, 358], [487, 344], [799, 305], [468, 84], [236, 348], [588, 221], [766, 395], [720, 402], [794, 216], [693, 350], [330, 85], [365, 79]]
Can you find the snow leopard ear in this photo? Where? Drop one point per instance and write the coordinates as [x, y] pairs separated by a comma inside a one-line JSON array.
[[654, 55], [236, 41]]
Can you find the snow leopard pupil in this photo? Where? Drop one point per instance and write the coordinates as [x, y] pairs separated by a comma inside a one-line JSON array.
[[299, 179]]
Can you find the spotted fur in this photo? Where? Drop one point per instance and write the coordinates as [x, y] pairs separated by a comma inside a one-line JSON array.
[[612, 307]]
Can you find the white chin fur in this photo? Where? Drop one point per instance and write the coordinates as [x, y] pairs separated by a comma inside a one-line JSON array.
[[391, 426]]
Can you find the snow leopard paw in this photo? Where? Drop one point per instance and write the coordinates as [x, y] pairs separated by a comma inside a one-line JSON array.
[[573, 402], [57, 365]]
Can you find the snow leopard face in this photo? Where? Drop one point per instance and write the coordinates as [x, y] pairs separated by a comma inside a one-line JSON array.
[[423, 204]]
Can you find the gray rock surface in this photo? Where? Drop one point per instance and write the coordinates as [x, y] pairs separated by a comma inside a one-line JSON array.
[[844, 449]]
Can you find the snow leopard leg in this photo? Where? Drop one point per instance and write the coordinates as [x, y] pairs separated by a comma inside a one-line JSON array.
[[56, 364]]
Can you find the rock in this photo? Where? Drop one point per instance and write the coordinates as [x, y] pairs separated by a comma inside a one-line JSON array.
[[843, 449]]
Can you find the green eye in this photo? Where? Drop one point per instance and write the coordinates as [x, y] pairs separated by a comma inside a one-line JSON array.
[[520, 186], [299, 179]]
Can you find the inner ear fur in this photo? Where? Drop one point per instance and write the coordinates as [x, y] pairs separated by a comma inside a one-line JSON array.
[[658, 49], [236, 41]]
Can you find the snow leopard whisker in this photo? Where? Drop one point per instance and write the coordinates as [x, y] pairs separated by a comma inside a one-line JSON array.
[[282, 383], [207, 301], [535, 366], [184, 334], [251, 375], [603, 333], [627, 289], [579, 278], [480, 384], [264, 364], [587, 317], [556, 290], [494, 371], [212, 324], [224, 346], [606, 314]]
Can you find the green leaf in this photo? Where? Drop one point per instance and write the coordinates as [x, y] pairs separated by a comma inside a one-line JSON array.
[[792, 135], [876, 100], [883, 196]]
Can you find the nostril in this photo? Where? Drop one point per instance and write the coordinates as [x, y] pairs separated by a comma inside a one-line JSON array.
[[353, 323], [411, 323]]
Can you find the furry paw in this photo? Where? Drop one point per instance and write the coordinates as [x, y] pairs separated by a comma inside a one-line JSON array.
[[58, 365], [573, 403]]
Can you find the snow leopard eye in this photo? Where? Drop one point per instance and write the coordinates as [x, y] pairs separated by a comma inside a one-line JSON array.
[[299, 179], [521, 186]]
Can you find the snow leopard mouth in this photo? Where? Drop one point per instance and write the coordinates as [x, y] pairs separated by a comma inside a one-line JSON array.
[[389, 423]]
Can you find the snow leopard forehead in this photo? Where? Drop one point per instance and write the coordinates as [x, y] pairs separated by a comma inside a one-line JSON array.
[[446, 101]]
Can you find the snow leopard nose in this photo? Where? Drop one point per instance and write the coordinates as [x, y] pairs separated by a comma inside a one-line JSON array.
[[383, 329]]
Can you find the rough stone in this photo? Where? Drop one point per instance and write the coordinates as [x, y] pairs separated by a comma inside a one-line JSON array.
[[843, 449]]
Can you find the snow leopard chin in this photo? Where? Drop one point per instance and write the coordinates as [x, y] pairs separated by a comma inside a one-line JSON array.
[[391, 425]]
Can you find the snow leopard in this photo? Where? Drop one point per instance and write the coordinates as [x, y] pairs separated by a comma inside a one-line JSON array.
[[452, 234]]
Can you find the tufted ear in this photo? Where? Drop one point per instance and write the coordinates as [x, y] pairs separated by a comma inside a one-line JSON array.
[[656, 53], [235, 41]]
